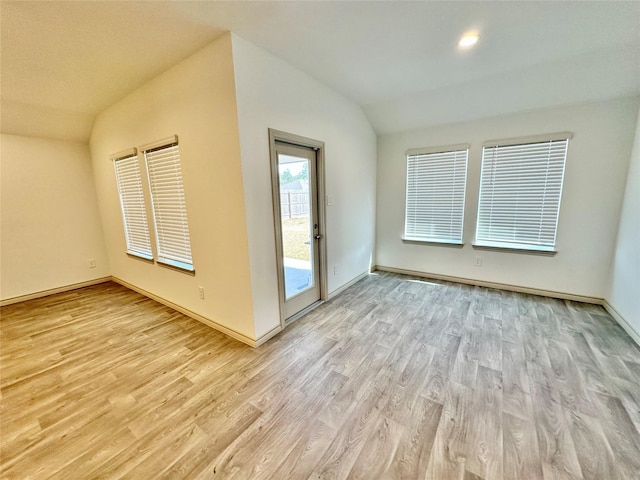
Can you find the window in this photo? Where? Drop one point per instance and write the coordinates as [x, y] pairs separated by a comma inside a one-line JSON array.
[[436, 180], [169, 206], [134, 214], [520, 189]]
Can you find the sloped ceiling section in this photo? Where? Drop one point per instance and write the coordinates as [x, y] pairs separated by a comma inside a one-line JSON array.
[[396, 59], [597, 75], [64, 62]]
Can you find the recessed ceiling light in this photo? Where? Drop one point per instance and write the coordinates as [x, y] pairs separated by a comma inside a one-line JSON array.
[[468, 40]]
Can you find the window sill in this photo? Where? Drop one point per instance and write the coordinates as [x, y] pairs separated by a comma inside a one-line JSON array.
[[441, 243], [515, 248], [179, 266], [139, 256]]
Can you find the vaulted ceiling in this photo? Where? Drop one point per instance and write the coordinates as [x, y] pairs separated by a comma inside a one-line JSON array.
[[63, 62]]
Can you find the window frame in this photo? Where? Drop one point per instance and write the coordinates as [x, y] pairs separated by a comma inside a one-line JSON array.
[[441, 155], [172, 249], [133, 207], [525, 242]]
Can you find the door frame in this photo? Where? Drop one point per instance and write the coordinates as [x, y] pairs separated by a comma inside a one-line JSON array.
[[318, 146]]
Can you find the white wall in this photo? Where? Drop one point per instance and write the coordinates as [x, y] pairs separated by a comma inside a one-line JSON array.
[[595, 176], [273, 94], [195, 100], [50, 224], [624, 292]]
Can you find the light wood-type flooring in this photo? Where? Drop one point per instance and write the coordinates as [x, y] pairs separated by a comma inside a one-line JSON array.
[[396, 378]]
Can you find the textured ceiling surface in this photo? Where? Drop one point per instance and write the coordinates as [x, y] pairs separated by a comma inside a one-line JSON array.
[[69, 60]]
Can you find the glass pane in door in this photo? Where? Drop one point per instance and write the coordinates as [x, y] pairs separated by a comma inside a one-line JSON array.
[[297, 227]]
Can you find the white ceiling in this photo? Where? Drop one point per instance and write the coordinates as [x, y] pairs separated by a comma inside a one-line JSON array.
[[64, 62]]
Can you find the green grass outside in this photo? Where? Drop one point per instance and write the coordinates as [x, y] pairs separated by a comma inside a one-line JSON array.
[[295, 232]]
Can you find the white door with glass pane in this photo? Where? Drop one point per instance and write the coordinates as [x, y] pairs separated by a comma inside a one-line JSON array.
[[298, 226]]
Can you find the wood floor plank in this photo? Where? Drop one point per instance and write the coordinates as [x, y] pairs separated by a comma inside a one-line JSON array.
[[516, 389], [570, 379], [521, 452], [398, 377], [623, 438], [484, 455], [451, 443], [277, 435], [93, 458], [491, 345], [440, 369], [339, 458], [557, 449], [226, 430], [592, 447], [465, 367], [408, 386], [414, 448], [378, 451], [307, 451]]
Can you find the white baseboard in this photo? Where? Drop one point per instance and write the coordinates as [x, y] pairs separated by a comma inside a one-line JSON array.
[[499, 286], [53, 291], [252, 342], [267, 336], [341, 289], [621, 321]]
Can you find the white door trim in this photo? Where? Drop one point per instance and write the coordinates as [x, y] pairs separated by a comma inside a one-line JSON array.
[[319, 147]]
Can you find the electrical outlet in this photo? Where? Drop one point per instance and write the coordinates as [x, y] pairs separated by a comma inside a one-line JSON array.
[[329, 200], [92, 263], [477, 261], [201, 293], [335, 269]]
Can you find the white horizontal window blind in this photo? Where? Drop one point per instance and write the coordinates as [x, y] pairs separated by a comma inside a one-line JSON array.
[[520, 190], [134, 214], [169, 206], [435, 195]]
